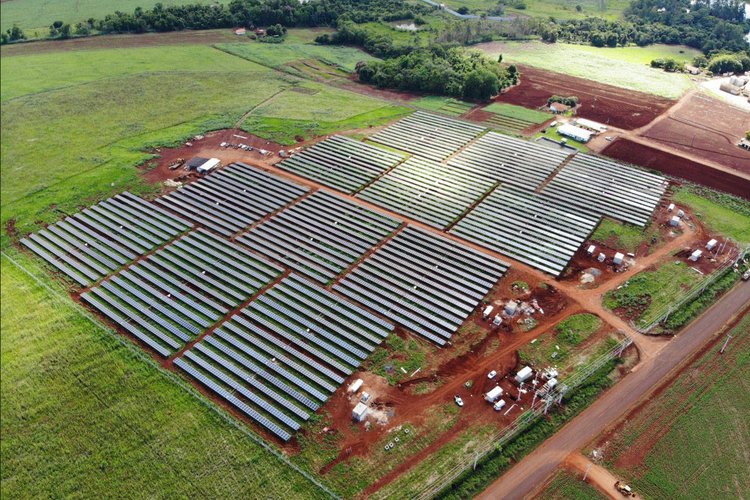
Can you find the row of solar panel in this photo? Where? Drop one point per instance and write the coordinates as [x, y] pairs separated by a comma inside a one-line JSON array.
[[282, 356], [176, 293], [427, 283], [98, 240]]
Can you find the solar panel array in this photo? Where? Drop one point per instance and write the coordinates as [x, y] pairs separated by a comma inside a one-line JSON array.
[[427, 283], [342, 163], [509, 160], [100, 239], [608, 188], [541, 232], [176, 293], [431, 136], [232, 199], [282, 356], [321, 236], [432, 192]]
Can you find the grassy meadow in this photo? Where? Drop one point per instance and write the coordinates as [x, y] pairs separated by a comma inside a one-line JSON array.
[[84, 414], [30, 14], [559, 9], [626, 67], [694, 434], [727, 215], [89, 115], [567, 485]]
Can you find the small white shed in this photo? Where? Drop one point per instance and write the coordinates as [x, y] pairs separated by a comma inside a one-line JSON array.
[[617, 260], [711, 244], [359, 412], [523, 374], [674, 221], [696, 255]]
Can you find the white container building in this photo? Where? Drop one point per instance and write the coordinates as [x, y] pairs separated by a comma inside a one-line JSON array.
[[696, 255], [355, 386], [487, 311], [591, 250], [523, 374], [576, 133], [359, 412], [209, 166], [494, 394], [674, 221], [511, 307], [618, 258], [711, 245]]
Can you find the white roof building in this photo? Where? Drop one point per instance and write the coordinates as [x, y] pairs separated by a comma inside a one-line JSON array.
[[576, 133], [591, 125]]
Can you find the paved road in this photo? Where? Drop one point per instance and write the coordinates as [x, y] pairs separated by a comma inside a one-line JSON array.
[[536, 467]]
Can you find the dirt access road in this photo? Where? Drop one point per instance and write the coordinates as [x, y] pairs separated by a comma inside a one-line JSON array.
[[535, 468], [596, 475]]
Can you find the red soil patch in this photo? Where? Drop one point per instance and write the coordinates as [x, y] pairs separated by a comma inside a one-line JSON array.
[[157, 170], [370, 90], [707, 128], [607, 104], [670, 164]]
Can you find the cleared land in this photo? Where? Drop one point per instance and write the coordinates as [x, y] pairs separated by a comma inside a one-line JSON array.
[[671, 164], [600, 102], [84, 414], [690, 441], [625, 67], [705, 128]]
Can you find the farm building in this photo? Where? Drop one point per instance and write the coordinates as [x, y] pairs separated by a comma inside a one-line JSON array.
[[590, 125], [729, 88], [559, 108], [576, 133], [195, 162]]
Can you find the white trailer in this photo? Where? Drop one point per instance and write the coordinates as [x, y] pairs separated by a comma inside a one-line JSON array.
[[711, 244], [354, 387], [617, 260], [209, 166], [523, 374], [494, 394], [696, 255], [487, 311]]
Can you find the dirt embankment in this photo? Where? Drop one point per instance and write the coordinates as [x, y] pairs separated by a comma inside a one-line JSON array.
[[625, 109]]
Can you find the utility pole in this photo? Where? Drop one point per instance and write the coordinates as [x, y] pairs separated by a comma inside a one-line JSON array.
[[586, 473], [729, 337]]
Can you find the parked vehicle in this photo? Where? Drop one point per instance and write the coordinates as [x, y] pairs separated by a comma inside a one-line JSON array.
[[624, 489], [458, 400], [492, 374]]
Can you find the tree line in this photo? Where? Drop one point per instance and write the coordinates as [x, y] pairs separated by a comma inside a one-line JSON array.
[[711, 27]]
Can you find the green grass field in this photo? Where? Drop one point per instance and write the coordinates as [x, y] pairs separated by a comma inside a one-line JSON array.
[[83, 130], [84, 414], [445, 105], [559, 9], [725, 214], [625, 67], [41, 13], [691, 440], [645, 296], [277, 55], [622, 236], [568, 486]]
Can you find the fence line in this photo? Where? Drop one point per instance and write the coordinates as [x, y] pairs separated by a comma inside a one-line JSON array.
[[540, 407]]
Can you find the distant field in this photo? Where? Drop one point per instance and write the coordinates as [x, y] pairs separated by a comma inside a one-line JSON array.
[[560, 9], [445, 105], [625, 67], [278, 55], [514, 119], [89, 115], [85, 416], [727, 215], [41, 13], [691, 440]]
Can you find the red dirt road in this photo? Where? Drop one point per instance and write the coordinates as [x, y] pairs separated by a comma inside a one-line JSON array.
[[621, 108], [535, 468]]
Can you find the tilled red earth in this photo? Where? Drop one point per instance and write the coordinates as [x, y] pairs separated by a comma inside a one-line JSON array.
[[626, 109], [645, 156]]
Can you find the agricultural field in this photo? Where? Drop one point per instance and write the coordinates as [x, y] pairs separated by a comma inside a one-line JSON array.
[[690, 439], [84, 413], [289, 56], [625, 67], [445, 105], [37, 15], [625, 237], [513, 119], [566, 485]]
